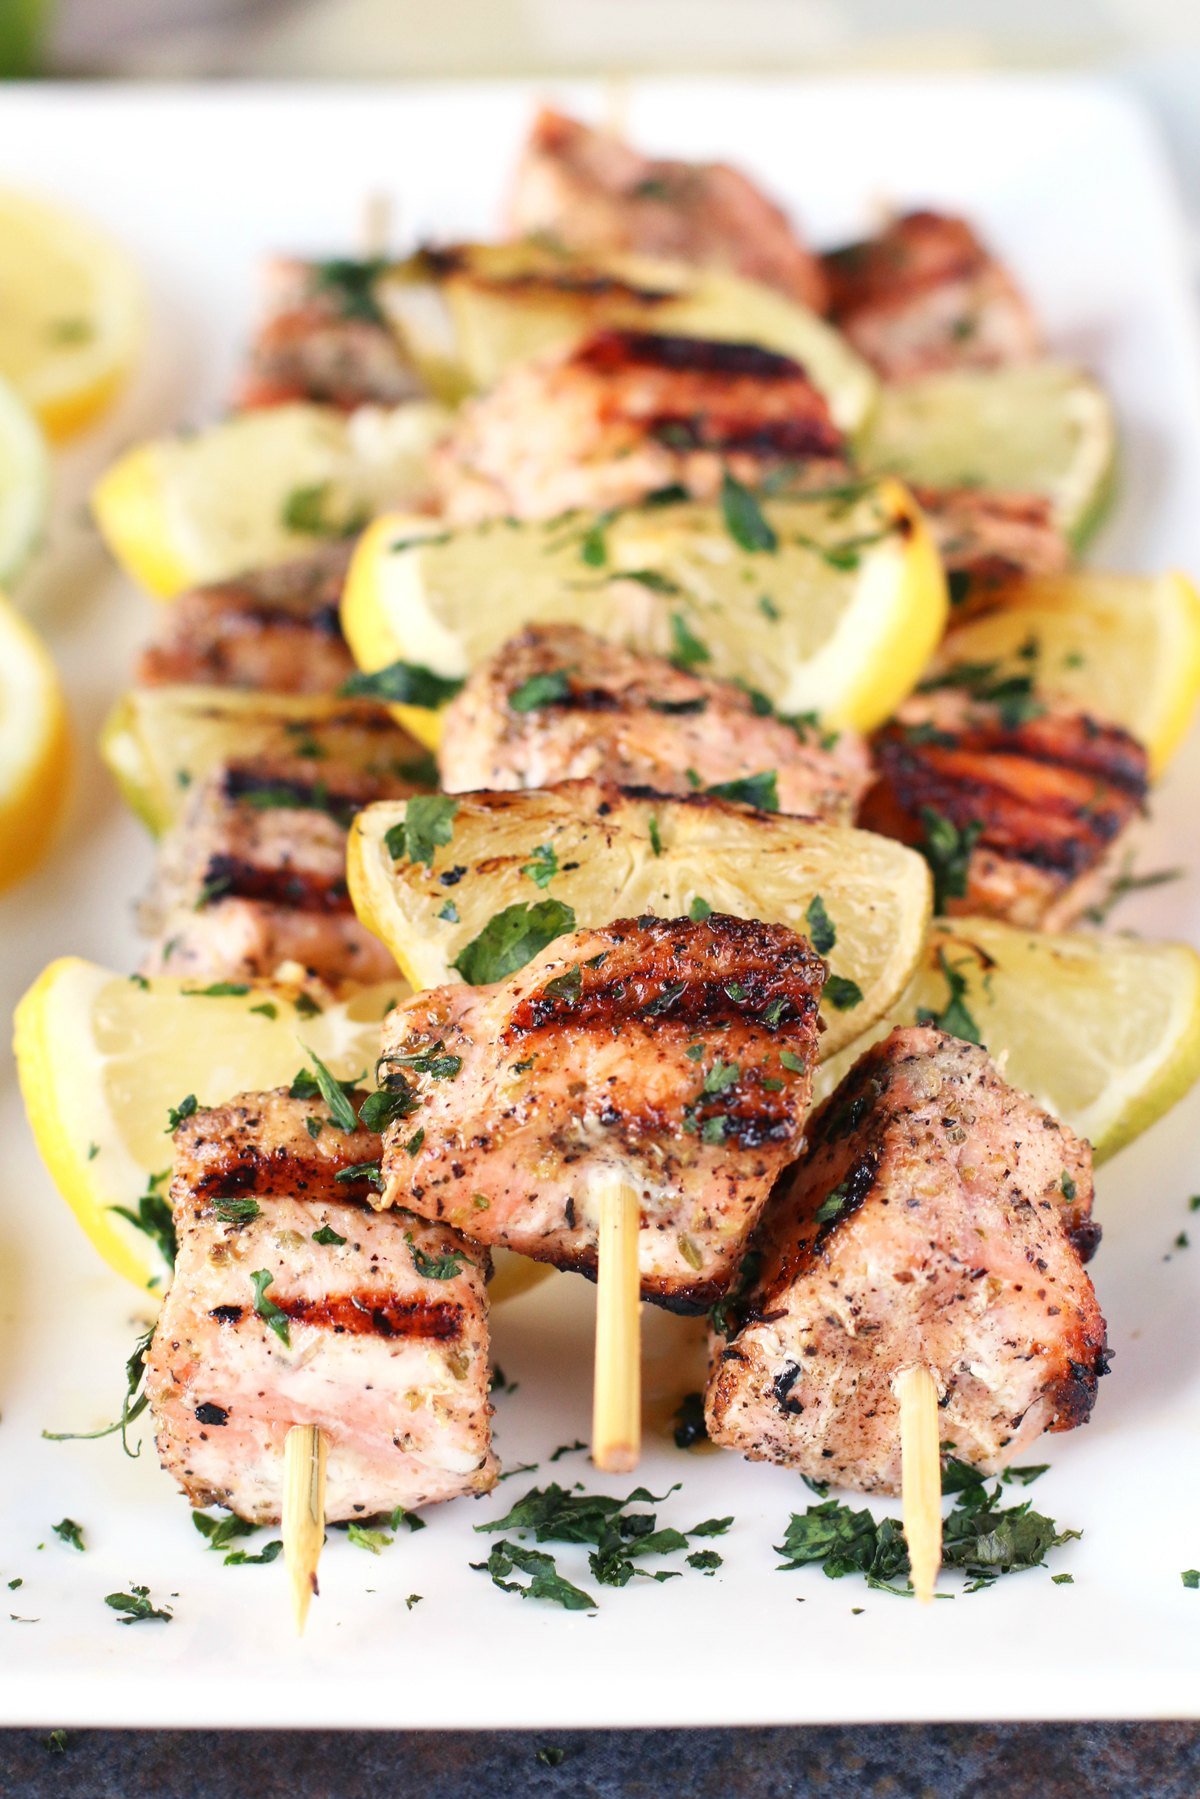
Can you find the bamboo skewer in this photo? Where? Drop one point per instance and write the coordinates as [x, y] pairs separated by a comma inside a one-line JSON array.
[[921, 1477], [303, 1513], [617, 1393]]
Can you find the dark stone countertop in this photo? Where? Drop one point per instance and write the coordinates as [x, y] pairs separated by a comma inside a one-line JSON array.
[[940, 1761]]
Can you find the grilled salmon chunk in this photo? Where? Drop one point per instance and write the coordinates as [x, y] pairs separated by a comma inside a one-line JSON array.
[[1016, 806], [622, 414], [934, 1222], [668, 1054], [372, 1326], [925, 294], [275, 629], [323, 337], [558, 704], [589, 190], [986, 538], [254, 875]]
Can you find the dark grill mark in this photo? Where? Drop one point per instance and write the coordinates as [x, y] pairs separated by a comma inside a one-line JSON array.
[[377, 1314], [782, 1386], [227, 1314], [235, 1168], [232, 877], [610, 351], [285, 791]]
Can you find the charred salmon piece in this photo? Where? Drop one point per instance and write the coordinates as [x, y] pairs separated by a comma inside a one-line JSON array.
[[622, 414], [1017, 807], [926, 294], [558, 704], [985, 539], [587, 189], [934, 1222], [294, 1303], [322, 337], [670, 1054], [254, 874], [275, 629]]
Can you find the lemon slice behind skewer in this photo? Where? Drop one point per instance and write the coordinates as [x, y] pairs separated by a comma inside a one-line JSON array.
[[71, 313], [35, 751], [101, 1058], [1104, 1031]]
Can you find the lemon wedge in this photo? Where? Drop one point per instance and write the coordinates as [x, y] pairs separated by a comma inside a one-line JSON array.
[[35, 748], [615, 855], [1125, 648], [24, 482], [259, 489], [102, 1057], [838, 618], [71, 313], [1104, 1031], [1040, 428]]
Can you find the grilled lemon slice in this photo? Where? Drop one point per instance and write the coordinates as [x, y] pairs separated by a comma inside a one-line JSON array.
[[101, 1058], [469, 312], [159, 741], [1042, 428], [1102, 1031], [1125, 648], [583, 855], [71, 313], [259, 489], [35, 748], [839, 618]]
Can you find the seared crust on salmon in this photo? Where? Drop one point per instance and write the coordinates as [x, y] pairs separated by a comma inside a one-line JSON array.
[[324, 338], [925, 294], [588, 189], [930, 1225], [637, 721], [668, 1054], [986, 538], [351, 1332], [275, 629], [1036, 801], [623, 414]]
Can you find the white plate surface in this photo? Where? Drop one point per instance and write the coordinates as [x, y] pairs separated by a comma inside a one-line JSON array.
[[200, 183]]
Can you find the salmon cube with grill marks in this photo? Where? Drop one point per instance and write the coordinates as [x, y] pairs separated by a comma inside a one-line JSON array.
[[294, 1302], [672, 1055], [940, 1219]]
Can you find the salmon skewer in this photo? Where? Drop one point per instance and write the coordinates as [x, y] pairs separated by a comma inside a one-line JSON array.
[[323, 337], [622, 414], [587, 189], [1017, 806], [275, 629], [939, 1222], [296, 1306], [628, 1098], [559, 704]]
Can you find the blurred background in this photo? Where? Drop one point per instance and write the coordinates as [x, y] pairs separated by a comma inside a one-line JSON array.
[[1152, 46]]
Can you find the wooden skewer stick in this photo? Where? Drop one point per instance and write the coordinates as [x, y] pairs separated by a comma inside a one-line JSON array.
[[616, 105], [376, 225], [921, 1477], [617, 1393], [303, 1513]]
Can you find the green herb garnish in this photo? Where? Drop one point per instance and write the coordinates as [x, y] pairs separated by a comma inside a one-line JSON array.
[[822, 933], [744, 517], [955, 1017], [542, 865], [761, 790], [442, 1267], [403, 684], [512, 938], [272, 1315], [69, 1532], [947, 849], [539, 691], [428, 821], [136, 1607]]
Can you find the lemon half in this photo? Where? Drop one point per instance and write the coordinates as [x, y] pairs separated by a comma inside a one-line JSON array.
[[35, 747]]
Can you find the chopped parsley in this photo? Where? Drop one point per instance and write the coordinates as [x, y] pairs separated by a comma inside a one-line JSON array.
[[70, 1533], [272, 1315], [1011, 694], [542, 865], [512, 938], [327, 1237], [545, 1581], [767, 607], [132, 1406], [791, 1060], [177, 1114], [403, 684], [438, 1267], [550, 1755], [428, 821], [1126, 882], [842, 993], [267, 1010], [1068, 1185], [449, 913], [955, 1018], [218, 990], [431, 1060], [687, 649], [822, 933], [744, 517], [1191, 1578], [136, 1607], [231, 1209], [361, 1171], [761, 790], [699, 909], [306, 1085], [540, 690], [154, 1218], [655, 836], [312, 512], [947, 849], [351, 286]]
